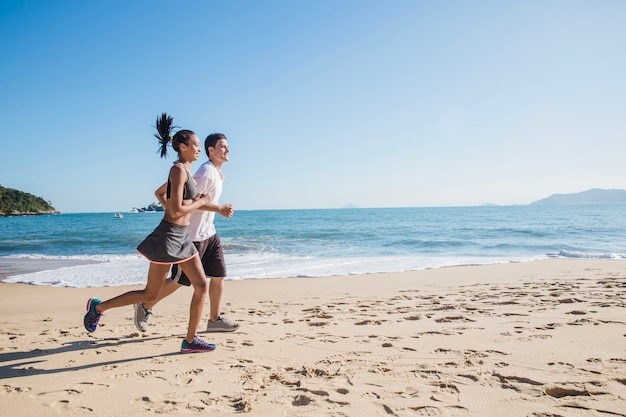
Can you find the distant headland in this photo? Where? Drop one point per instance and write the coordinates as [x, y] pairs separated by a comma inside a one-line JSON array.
[[18, 203], [593, 196]]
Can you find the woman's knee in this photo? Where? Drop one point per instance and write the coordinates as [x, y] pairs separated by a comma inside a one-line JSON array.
[[195, 273], [200, 284], [150, 296]]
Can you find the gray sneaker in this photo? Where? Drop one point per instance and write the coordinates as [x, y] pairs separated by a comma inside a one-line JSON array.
[[222, 324], [141, 317]]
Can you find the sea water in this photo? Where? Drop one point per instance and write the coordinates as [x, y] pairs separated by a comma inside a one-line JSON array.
[[322, 242]]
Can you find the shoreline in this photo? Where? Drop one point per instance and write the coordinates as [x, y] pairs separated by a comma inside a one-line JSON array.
[[19, 266], [536, 338], [10, 267]]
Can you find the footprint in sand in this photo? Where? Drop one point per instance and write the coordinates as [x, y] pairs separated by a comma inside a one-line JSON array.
[[241, 404], [427, 410], [557, 391], [8, 389], [196, 401], [160, 360], [166, 407], [448, 319], [140, 375], [64, 408], [76, 389], [64, 405], [366, 322], [301, 399], [318, 323], [188, 377]]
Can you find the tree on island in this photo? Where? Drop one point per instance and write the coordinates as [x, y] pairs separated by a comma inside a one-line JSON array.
[[18, 203]]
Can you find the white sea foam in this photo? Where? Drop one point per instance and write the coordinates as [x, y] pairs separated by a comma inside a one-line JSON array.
[[117, 270], [585, 255], [132, 269]]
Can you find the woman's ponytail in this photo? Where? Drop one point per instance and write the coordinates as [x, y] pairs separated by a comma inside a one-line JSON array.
[[164, 132], [164, 129]]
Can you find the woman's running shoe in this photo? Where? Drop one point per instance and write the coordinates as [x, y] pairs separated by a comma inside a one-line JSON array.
[[198, 345], [92, 316]]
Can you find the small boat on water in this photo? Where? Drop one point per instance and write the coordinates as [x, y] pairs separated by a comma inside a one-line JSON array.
[[118, 216]]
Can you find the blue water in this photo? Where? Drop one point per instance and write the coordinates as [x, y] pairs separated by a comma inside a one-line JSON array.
[[311, 243]]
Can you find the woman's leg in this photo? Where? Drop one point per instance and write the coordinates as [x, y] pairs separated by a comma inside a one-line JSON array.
[[168, 289], [193, 269], [157, 274]]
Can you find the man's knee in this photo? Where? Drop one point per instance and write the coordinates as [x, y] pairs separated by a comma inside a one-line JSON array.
[[216, 283]]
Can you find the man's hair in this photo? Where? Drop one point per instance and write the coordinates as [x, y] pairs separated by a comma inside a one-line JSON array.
[[211, 140]]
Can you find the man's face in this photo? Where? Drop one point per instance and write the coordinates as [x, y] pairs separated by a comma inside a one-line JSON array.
[[219, 154]]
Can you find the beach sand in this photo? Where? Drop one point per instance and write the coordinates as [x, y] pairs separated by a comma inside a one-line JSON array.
[[543, 339]]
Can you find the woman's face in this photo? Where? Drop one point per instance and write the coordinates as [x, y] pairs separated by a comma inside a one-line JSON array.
[[192, 150]]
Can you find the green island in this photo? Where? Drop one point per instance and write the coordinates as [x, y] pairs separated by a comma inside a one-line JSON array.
[[18, 203]]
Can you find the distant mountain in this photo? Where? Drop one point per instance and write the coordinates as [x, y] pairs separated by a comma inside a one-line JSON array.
[[18, 203], [594, 196]]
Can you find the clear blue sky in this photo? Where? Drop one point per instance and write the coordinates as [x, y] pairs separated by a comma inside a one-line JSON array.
[[325, 103]]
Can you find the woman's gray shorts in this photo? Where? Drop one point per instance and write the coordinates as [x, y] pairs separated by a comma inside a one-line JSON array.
[[168, 244], [212, 258]]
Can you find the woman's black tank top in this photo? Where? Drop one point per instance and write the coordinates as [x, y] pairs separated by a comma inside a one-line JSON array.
[[189, 192]]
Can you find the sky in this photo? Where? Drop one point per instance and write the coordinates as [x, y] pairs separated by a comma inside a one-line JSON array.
[[325, 103]]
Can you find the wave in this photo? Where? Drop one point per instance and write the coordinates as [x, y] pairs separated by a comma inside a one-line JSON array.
[[117, 270], [132, 270], [95, 258], [586, 255]]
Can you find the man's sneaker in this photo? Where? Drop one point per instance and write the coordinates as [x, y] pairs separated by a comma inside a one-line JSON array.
[[141, 317], [198, 345], [92, 316], [222, 324]]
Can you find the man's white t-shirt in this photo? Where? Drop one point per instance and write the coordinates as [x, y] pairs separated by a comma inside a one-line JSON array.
[[209, 182]]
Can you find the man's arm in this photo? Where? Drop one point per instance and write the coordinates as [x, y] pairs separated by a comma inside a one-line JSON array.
[[225, 210]]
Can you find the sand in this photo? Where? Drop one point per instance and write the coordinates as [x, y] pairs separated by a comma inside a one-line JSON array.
[[543, 339]]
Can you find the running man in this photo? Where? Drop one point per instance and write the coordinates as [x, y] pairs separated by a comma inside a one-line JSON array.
[[201, 229]]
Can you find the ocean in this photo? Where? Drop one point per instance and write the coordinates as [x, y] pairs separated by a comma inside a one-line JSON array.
[[262, 244]]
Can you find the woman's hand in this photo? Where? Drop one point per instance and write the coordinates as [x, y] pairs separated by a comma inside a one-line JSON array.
[[203, 199]]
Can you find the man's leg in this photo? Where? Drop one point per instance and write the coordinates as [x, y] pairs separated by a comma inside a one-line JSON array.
[[218, 323], [216, 288], [215, 268]]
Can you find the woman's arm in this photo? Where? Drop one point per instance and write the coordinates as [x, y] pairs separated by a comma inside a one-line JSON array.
[[161, 194], [175, 207], [225, 210]]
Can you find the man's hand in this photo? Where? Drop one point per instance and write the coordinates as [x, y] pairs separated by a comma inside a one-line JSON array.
[[227, 210]]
